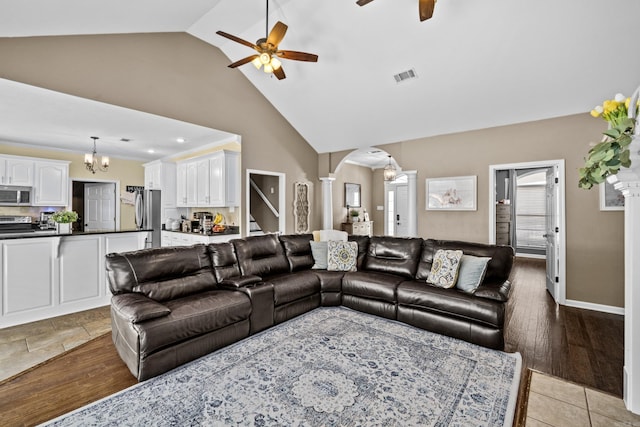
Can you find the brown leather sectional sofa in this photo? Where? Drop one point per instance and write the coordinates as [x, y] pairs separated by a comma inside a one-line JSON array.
[[172, 305]]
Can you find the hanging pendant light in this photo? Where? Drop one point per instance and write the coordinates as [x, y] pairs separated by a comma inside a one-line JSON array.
[[91, 160], [389, 171]]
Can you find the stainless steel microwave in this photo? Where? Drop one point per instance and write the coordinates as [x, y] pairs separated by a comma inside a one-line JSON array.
[[15, 196]]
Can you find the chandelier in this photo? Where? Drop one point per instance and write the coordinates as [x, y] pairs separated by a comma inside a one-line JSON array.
[[91, 160], [389, 171]]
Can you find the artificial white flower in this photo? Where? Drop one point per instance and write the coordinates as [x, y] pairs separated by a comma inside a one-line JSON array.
[[620, 97]]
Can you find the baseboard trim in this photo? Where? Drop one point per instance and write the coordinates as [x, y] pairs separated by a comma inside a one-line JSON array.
[[596, 307]]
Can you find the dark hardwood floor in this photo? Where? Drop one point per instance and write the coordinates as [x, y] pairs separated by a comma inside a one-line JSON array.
[[582, 346]]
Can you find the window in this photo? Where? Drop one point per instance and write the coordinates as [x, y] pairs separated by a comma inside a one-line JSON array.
[[531, 209]]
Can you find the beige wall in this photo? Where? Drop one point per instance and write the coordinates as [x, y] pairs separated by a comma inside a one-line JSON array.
[[126, 172], [356, 175], [173, 75], [595, 239]]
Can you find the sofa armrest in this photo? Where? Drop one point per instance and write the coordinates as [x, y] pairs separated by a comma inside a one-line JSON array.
[[237, 282], [498, 291], [136, 307]]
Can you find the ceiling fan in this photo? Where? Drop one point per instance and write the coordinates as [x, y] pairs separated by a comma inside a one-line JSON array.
[[268, 52], [425, 7]]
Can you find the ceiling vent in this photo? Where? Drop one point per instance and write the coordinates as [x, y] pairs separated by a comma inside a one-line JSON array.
[[406, 75]]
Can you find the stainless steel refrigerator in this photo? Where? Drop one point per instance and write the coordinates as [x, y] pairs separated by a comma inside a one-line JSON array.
[[149, 215]]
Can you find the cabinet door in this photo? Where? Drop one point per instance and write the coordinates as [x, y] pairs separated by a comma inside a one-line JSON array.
[[51, 185], [217, 181], [19, 172], [181, 185], [153, 177], [192, 184], [233, 179], [203, 197]]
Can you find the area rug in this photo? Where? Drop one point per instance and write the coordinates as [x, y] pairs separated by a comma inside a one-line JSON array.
[[329, 367]]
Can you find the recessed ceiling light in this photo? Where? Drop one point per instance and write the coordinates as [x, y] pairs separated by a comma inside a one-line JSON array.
[[151, 151], [181, 140]]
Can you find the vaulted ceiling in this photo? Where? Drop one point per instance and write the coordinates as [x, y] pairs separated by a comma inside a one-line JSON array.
[[478, 63]]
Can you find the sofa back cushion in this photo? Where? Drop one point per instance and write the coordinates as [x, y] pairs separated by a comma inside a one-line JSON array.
[[297, 248], [261, 255], [224, 261], [363, 247], [396, 255], [499, 266], [161, 273]]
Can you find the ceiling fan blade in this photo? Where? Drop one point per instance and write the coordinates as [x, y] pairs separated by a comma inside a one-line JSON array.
[[277, 34], [363, 2], [297, 56], [426, 9], [279, 73], [237, 39], [243, 61]]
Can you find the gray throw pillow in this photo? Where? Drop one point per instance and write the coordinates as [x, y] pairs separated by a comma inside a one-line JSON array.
[[472, 271], [320, 253]]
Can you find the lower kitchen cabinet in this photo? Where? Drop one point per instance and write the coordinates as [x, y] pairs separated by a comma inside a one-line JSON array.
[[177, 238], [49, 276]]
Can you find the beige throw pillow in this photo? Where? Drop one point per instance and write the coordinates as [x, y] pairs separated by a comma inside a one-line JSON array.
[[444, 270]]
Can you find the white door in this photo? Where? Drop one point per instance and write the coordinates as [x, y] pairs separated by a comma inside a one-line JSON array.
[[99, 206], [401, 223], [552, 230]]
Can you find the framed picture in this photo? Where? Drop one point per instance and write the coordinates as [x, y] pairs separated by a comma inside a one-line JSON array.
[[610, 198], [456, 193], [352, 195]]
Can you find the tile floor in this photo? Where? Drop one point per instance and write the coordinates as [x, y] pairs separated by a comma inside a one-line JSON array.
[[555, 402], [25, 346], [552, 401]]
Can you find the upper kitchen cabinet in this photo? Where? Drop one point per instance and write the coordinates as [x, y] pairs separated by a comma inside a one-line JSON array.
[[161, 175], [51, 183], [210, 181], [16, 171]]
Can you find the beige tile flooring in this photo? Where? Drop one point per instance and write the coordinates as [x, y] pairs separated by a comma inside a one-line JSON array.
[[25, 346], [555, 402], [552, 401]]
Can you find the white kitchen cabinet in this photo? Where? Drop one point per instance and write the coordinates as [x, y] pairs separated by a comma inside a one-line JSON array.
[[159, 175], [176, 238], [51, 186], [209, 181], [16, 171]]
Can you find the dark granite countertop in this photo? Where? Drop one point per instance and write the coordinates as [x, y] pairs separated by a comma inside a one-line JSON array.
[[52, 233]]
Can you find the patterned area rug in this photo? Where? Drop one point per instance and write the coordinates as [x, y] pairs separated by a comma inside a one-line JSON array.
[[329, 367]]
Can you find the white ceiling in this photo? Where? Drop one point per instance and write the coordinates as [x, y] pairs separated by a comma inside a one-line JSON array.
[[479, 63]]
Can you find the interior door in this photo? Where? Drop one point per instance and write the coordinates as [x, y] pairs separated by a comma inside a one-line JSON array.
[[401, 223], [552, 230], [99, 206]]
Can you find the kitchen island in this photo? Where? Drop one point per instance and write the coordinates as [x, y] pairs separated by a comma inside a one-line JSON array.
[[47, 275]]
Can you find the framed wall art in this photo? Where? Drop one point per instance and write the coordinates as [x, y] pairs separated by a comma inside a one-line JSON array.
[[301, 207], [610, 198], [458, 193]]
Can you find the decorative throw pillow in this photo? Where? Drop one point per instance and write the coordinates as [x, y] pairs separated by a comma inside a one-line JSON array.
[[319, 251], [342, 256], [472, 271], [444, 270]]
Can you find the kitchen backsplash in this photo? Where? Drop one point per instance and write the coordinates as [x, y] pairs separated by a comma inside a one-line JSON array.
[[32, 211]]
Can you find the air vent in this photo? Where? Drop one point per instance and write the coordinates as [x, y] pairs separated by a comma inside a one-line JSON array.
[[125, 139], [405, 75]]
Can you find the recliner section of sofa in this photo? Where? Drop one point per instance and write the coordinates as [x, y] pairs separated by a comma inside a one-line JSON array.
[[172, 305]]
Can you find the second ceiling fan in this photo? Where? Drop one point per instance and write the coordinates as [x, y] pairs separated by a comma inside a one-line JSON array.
[[268, 52], [425, 7]]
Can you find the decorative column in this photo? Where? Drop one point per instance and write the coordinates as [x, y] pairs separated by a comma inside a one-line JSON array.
[[327, 202], [412, 209], [629, 184]]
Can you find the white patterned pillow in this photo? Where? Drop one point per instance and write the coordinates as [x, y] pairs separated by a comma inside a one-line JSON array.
[[444, 270], [342, 256]]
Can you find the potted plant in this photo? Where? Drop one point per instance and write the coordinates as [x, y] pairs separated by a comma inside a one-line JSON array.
[[354, 215], [608, 156], [63, 220]]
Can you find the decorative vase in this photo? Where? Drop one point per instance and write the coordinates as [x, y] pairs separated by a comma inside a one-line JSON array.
[[63, 227]]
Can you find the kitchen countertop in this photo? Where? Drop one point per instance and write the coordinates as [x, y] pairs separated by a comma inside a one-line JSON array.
[[223, 233], [52, 233]]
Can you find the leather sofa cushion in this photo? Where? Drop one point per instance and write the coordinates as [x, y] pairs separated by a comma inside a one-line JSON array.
[[261, 255], [191, 317], [330, 281], [137, 308], [161, 273], [373, 285], [293, 286], [450, 302], [498, 269], [223, 260], [396, 255], [363, 247], [297, 248]]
